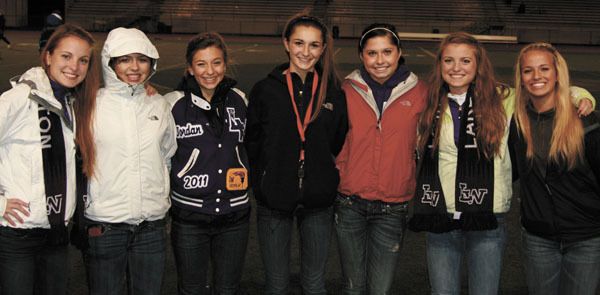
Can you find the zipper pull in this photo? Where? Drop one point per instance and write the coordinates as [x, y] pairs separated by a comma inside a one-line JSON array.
[[548, 189], [300, 174]]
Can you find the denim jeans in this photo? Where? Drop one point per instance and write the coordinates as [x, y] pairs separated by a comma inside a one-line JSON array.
[[28, 264], [561, 268], [370, 236], [117, 251], [274, 237], [220, 244], [483, 251]]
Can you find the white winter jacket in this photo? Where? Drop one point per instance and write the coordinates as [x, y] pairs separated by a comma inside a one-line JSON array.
[[21, 166], [134, 136]]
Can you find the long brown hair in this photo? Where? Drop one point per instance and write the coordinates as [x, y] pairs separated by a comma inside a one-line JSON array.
[[487, 103], [567, 133], [85, 93], [325, 61]]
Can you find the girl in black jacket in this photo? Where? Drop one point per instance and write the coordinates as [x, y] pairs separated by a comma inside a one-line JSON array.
[[557, 157], [297, 122]]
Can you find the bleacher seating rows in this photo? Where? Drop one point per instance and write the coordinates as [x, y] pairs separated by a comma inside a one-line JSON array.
[[551, 12], [268, 16]]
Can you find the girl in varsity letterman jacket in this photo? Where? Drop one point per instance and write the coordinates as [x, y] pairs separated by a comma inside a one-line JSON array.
[[208, 172], [209, 176]]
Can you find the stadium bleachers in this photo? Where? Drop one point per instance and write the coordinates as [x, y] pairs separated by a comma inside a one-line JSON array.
[[557, 21], [550, 18], [544, 12]]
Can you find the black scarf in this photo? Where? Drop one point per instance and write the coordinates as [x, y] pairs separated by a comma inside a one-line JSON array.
[[79, 235], [54, 159], [55, 174], [474, 186]]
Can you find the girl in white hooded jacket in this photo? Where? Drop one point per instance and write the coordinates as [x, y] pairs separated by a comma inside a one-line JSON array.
[[37, 163], [128, 189]]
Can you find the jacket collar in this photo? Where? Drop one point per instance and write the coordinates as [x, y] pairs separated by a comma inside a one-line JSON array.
[[200, 102], [359, 84], [37, 79], [41, 92]]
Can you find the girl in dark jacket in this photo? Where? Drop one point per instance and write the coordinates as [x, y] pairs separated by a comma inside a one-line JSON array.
[[556, 154], [296, 126]]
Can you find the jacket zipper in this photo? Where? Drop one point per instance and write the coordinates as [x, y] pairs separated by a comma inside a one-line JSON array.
[[300, 174], [71, 111], [554, 211]]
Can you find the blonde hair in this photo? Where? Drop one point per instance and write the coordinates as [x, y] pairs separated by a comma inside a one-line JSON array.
[[566, 143]]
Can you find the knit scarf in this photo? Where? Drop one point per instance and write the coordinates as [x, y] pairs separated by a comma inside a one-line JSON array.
[[54, 159], [55, 174], [79, 235], [474, 185]]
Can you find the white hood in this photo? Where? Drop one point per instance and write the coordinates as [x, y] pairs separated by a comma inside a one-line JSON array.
[[42, 88], [122, 41]]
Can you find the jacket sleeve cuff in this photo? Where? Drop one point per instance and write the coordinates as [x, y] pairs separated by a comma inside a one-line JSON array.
[[578, 94], [3, 201]]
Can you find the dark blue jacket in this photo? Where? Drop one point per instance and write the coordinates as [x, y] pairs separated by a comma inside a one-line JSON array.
[[209, 171]]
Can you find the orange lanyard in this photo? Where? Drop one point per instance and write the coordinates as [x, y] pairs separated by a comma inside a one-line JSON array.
[[302, 125]]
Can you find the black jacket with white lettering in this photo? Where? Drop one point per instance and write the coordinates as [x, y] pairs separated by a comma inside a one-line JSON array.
[[209, 170], [273, 144], [556, 203]]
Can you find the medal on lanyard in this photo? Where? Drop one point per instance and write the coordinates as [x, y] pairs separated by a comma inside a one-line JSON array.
[[301, 125]]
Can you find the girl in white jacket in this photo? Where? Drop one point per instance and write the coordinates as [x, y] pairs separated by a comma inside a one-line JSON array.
[[128, 189], [37, 162]]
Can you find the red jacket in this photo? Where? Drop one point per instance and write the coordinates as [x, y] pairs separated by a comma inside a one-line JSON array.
[[377, 161]]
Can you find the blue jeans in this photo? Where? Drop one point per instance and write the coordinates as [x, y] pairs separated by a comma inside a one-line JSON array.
[[28, 264], [274, 238], [561, 268], [216, 243], [117, 251], [483, 251], [370, 236]]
